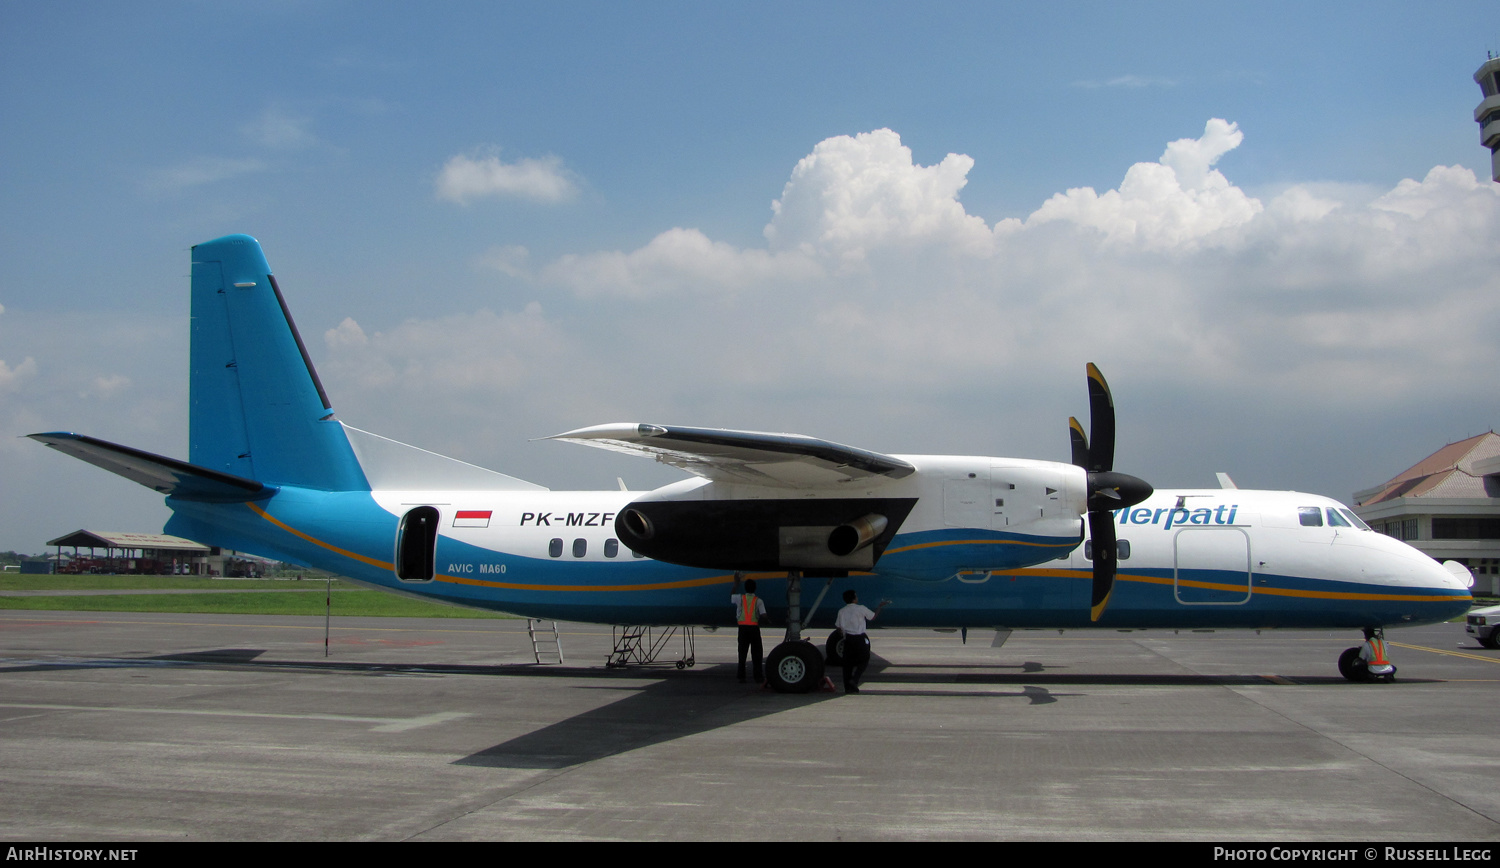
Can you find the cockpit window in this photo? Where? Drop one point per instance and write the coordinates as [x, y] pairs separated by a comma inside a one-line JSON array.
[[1310, 516], [1336, 520], [1354, 519]]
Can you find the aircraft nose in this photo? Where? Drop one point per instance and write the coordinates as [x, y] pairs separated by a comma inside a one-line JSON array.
[[1454, 575]]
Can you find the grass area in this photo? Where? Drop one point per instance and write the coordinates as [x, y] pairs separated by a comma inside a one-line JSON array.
[[14, 582], [348, 599]]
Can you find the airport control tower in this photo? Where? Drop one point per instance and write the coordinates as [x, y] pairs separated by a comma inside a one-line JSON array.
[[1488, 113]]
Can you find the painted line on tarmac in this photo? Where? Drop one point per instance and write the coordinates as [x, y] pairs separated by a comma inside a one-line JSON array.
[[382, 724], [1449, 653]]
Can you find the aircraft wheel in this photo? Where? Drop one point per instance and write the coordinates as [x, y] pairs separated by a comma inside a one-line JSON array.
[[834, 648], [794, 667], [1349, 665]]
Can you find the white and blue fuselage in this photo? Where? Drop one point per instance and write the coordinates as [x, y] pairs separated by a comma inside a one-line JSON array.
[[1224, 558]]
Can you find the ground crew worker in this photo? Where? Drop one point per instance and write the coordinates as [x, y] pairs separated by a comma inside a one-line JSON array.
[[1372, 655], [851, 622], [749, 611]]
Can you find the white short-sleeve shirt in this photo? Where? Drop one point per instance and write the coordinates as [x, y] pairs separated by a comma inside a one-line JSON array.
[[852, 619]]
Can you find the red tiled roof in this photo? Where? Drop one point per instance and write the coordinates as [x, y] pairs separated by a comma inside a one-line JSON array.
[[1448, 472]]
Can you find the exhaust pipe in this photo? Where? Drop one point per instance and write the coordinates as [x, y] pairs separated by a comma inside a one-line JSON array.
[[846, 539], [636, 522]]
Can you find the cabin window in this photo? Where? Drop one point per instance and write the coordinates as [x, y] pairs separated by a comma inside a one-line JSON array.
[[1310, 516], [580, 547], [636, 554], [611, 548], [416, 545], [554, 548], [1336, 520]]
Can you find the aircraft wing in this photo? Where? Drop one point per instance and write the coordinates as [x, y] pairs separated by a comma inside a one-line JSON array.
[[745, 457]]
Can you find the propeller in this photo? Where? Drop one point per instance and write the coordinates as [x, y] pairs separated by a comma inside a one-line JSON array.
[[1107, 490]]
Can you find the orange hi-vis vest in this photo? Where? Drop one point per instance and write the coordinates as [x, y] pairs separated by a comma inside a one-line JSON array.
[[747, 610], [1377, 653]]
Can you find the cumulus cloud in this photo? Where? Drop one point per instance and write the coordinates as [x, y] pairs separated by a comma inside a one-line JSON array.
[[464, 178], [1180, 200], [878, 304], [853, 193]]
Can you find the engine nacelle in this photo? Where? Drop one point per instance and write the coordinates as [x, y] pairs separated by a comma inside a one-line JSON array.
[[814, 534]]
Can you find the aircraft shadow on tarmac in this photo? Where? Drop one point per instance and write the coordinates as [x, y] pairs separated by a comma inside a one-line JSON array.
[[675, 707]]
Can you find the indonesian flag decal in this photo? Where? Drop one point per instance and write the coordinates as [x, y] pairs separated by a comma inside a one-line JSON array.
[[472, 518]]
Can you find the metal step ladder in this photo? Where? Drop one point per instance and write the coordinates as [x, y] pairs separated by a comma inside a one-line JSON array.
[[640, 646], [543, 634]]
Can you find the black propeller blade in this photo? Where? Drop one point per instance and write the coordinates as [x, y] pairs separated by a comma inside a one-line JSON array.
[[1107, 490]]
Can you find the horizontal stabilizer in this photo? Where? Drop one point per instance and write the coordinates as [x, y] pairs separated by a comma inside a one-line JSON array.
[[166, 475], [755, 457]]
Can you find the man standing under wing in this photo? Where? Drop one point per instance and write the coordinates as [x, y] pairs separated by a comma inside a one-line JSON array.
[[851, 621], [749, 611]]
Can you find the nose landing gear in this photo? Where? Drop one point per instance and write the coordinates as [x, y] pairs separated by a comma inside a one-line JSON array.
[[1368, 663]]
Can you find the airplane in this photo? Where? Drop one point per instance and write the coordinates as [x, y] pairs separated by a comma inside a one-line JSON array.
[[966, 542]]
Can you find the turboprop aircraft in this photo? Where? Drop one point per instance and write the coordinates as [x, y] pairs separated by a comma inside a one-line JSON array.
[[953, 541]]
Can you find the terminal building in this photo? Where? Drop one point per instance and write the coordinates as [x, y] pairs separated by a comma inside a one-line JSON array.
[[1447, 505]]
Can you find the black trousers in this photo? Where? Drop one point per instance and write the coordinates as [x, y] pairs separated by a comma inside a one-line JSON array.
[[856, 658], [750, 641]]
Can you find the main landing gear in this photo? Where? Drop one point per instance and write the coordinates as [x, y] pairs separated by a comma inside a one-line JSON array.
[[1355, 668], [796, 665]]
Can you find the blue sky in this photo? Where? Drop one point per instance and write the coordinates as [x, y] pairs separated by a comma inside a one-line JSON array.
[[1307, 323]]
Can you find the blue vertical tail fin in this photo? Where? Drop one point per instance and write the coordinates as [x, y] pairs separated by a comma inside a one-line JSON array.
[[257, 409]]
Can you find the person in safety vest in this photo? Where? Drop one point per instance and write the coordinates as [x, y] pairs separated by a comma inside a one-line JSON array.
[[1372, 655], [749, 611]]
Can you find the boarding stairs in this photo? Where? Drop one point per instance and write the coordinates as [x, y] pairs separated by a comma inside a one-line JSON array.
[[636, 645], [545, 640]]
